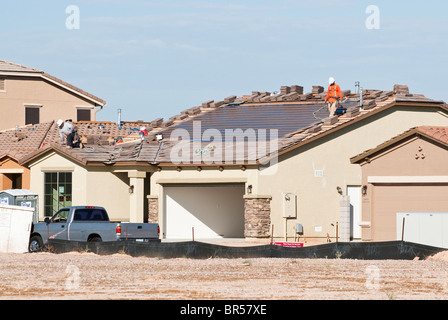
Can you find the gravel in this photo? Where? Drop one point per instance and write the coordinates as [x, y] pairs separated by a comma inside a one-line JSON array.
[[85, 276]]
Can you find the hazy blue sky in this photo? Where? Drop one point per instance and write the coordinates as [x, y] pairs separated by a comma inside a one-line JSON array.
[[156, 58]]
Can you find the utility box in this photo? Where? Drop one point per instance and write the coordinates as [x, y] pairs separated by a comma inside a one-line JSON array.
[[289, 205], [22, 198], [299, 228]]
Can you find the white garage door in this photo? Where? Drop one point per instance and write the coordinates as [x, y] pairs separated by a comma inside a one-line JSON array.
[[213, 210]]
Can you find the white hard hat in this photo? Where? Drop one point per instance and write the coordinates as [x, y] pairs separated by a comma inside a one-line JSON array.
[[60, 121], [331, 80]]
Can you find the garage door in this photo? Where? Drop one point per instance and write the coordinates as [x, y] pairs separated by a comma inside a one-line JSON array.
[[391, 199], [213, 210]]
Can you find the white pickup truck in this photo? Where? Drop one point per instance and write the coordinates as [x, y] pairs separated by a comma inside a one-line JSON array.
[[87, 224]]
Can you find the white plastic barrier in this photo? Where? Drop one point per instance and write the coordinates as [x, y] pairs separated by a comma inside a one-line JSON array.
[[428, 228], [15, 227]]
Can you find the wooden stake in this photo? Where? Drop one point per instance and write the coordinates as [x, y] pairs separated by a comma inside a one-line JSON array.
[[402, 230]]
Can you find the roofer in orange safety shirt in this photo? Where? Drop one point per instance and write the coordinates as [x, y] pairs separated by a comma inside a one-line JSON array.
[[334, 95]]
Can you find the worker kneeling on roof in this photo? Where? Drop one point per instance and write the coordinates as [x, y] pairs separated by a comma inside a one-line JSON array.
[[67, 130], [334, 95]]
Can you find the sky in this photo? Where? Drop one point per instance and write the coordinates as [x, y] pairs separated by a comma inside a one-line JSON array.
[[154, 59]]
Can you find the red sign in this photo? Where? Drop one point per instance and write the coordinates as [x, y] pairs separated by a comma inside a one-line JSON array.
[[288, 244]]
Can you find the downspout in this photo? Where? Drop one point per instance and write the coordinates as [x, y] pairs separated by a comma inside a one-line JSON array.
[[96, 111]]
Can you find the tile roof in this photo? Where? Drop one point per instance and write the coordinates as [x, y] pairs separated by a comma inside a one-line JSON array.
[[133, 152], [25, 139], [435, 133], [10, 68], [14, 67], [299, 119]]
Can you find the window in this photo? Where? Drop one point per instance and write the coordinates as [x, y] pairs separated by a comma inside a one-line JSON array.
[[14, 180], [58, 192], [2, 85], [83, 114], [32, 115], [88, 214]]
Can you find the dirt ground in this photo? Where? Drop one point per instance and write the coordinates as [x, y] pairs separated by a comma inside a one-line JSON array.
[[87, 276]]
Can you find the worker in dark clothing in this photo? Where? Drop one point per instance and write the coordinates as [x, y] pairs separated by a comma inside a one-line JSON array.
[[67, 130], [334, 95]]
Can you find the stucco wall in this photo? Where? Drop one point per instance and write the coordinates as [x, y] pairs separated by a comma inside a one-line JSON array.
[[56, 102], [10, 166], [98, 186]]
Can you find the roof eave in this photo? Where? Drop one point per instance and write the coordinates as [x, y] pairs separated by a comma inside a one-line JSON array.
[[39, 153]]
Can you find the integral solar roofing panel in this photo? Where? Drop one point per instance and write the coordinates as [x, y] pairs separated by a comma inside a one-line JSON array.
[[285, 118]]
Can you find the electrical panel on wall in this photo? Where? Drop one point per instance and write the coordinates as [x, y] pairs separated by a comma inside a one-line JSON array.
[[289, 205]]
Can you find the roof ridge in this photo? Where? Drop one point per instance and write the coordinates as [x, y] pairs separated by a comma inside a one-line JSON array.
[[28, 69]]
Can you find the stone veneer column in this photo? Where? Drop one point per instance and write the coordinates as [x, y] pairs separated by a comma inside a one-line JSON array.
[[153, 209], [257, 216]]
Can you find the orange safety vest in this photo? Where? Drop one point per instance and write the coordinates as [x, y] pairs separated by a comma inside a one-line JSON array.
[[334, 92]]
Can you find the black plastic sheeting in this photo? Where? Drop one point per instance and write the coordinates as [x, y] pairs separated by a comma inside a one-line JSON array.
[[399, 250]]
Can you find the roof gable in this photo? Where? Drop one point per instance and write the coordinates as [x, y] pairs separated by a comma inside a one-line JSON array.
[[14, 69], [435, 134]]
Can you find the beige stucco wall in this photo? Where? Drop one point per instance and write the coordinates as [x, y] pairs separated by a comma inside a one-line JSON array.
[[384, 200], [93, 186], [55, 102]]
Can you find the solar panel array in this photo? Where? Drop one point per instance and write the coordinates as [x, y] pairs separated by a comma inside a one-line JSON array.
[[285, 118]]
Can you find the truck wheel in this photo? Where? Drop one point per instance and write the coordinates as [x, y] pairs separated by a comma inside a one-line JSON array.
[[95, 239], [36, 244]]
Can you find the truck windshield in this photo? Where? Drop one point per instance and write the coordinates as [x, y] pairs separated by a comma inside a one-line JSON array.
[[89, 214]]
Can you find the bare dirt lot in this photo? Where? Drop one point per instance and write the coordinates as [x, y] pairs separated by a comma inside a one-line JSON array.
[[88, 276]]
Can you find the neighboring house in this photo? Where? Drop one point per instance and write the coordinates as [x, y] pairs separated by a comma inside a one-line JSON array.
[[291, 171], [31, 96], [406, 174]]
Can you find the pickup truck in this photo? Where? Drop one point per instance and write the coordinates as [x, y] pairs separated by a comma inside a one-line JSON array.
[[88, 224]]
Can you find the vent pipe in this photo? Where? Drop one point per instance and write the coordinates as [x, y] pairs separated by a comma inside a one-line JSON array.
[[119, 118], [360, 98]]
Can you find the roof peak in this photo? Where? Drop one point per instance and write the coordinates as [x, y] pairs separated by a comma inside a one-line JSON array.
[[8, 66]]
